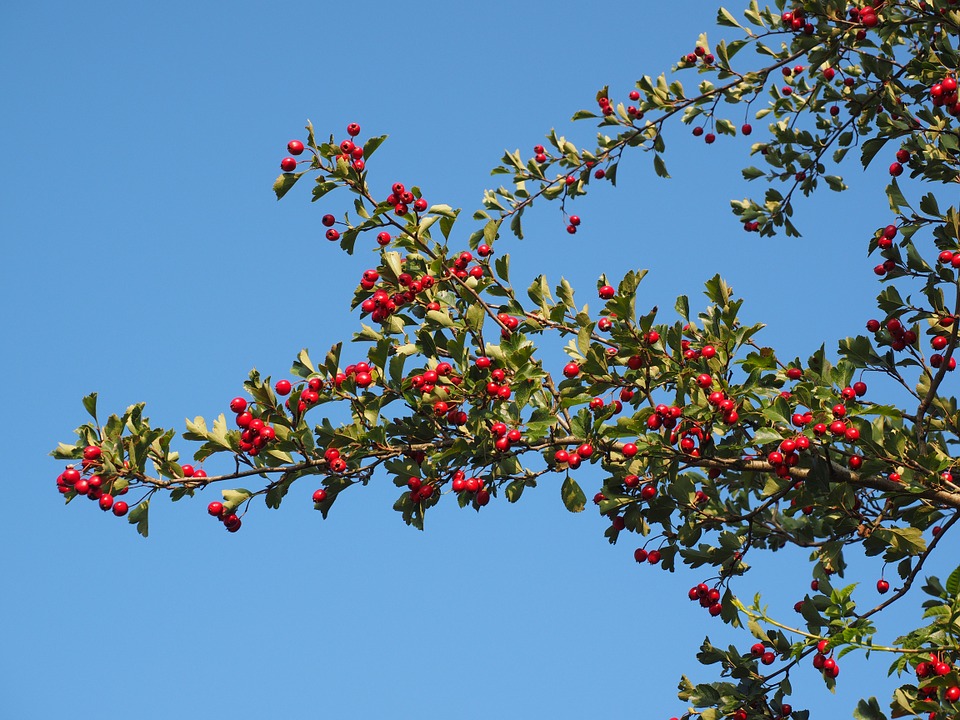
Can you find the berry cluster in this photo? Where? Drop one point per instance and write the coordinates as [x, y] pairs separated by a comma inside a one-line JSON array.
[[641, 555], [929, 674], [796, 21], [787, 455], [606, 107], [419, 490], [900, 337], [708, 597], [664, 416], [896, 168], [471, 485], [688, 439], [231, 521], [255, 434], [401, 199], [335, 462], [462, 268], [866, 16], [505, 437], [944, 94], [572, 459], [381, 304], [361, 373], [699, 55], [498, 388], [765, 656], [827, 665], [350, 152], [91, 484]]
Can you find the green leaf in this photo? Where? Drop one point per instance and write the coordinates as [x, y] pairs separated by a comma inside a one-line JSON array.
[[869, 710], [502, 266], [725, 19], [896, 198], [371, 145], [953, 583], [929, 206], [139, 516], [90, 403], [440, 318], [659, 166], [573, 497], [234, 497], [514, 490], [283, 183], [65, 452], [871, 148], [491, 230]]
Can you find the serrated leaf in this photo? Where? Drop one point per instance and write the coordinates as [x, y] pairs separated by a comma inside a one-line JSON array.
[[953, 583], [725, 19], [440, 318], [283, 183], [514, 490], [232, 498], [659, 166], [140, 516], [90, 403], [868, 709], [371, 144], [573, 497]]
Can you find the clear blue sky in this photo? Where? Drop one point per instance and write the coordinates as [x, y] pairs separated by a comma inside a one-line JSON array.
[[144, 256]]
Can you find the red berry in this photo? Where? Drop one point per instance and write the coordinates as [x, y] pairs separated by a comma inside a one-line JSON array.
[[215, 509], [353, 129], [319, 495], [882, 586], [571, 369], [288, 164], [294, 147], [283, 387], [120, 508]]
